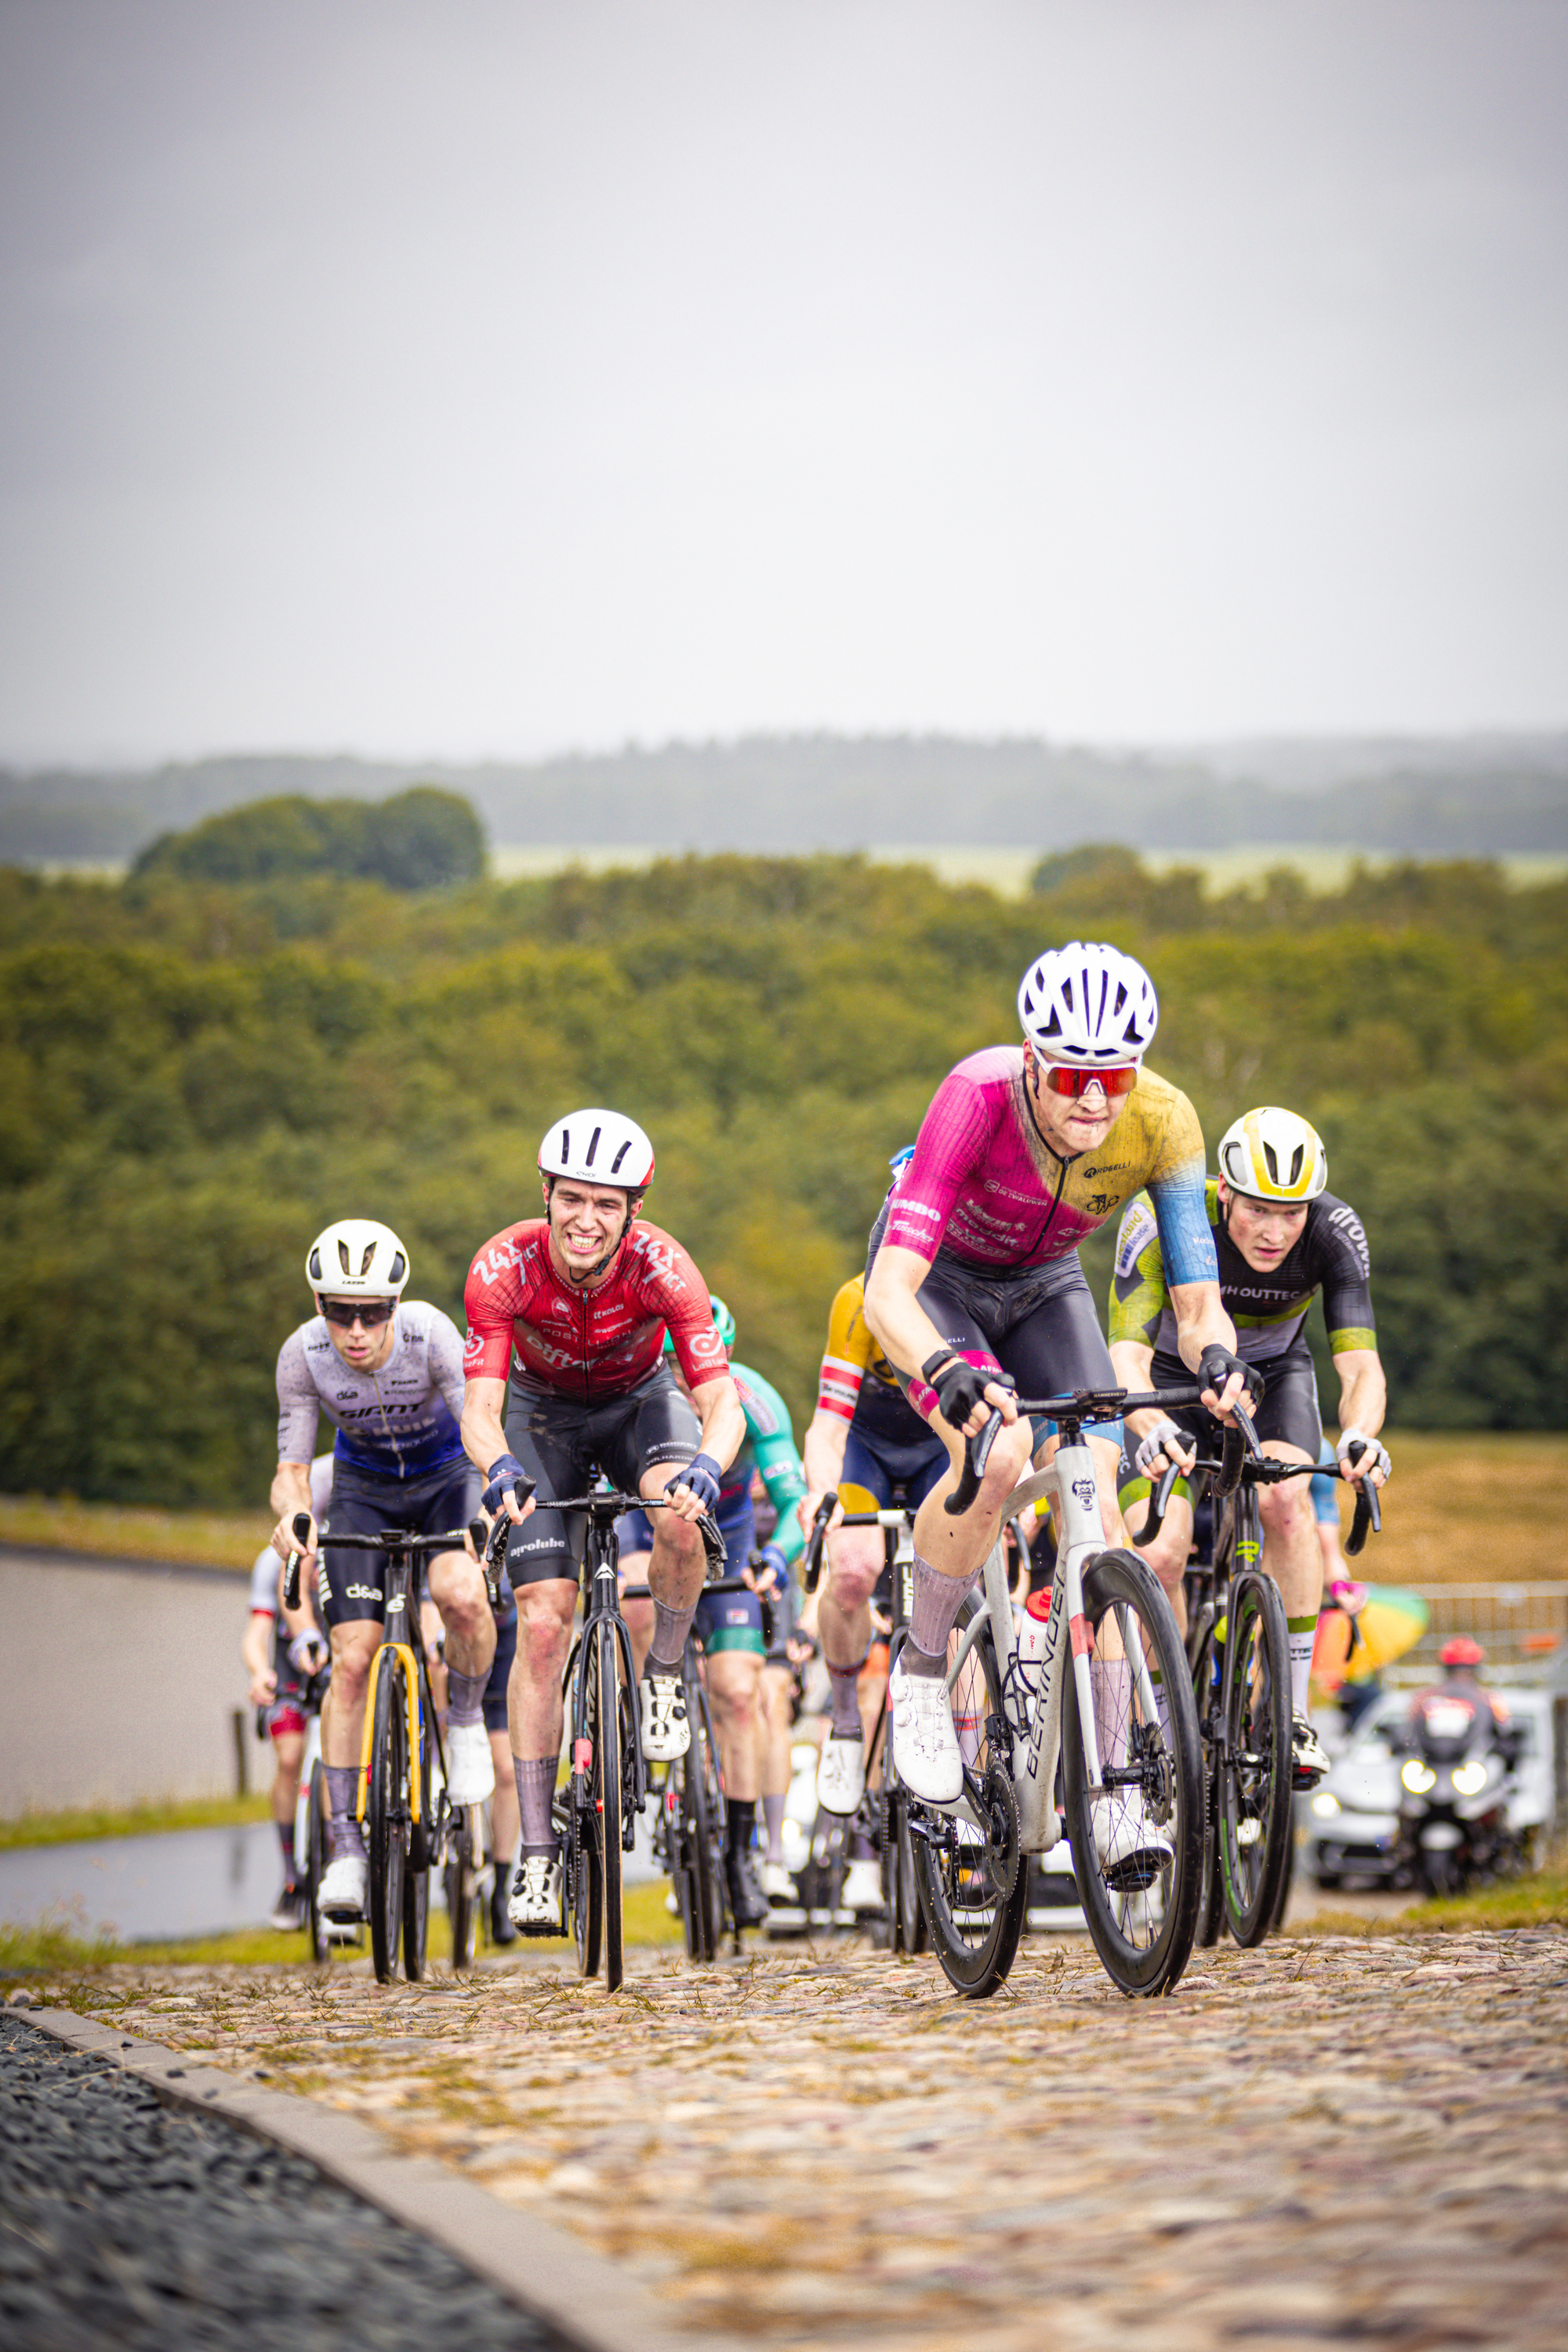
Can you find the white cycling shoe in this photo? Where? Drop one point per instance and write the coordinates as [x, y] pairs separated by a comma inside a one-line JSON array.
[[666, 1733], [1133, 1851], [533, 1906], [863, 1885], [343, 1885], [777, 1883], [1310, 1758], [471, 1767], [925, 1745], [841, 1775]]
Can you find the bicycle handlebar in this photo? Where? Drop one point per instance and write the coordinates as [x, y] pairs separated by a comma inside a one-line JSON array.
[[1080, 1405], [1367, 1514]]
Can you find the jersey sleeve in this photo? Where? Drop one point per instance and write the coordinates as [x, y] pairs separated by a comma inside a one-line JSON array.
[[264, 1579], [844, 1365], [489, 1299], [952, 1142], [681, 1298], [1347, 1281], [299, 1406], [1138, 1294], [1176, 1190], [773, 1450], [444, 1358]]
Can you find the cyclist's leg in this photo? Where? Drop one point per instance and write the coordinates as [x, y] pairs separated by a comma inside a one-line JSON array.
[[349, 1596], [549, 1438], [456, 1586], [730, 1627], [634, 1535], [1171, 1547], [655, 1435], [856, 1559]]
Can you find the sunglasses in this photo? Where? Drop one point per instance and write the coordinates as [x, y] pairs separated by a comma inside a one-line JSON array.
[[371, 1312], [1068, 1078]]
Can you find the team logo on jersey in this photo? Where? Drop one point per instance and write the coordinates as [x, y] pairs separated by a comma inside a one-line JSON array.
[[1140, 1226], [1354, 1231], [492, 1262]]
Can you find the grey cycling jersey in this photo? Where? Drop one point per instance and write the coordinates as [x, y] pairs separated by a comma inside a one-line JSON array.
[[398, 1422]]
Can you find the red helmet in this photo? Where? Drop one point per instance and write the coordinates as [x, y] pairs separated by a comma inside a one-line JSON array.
[[1461, 1652]]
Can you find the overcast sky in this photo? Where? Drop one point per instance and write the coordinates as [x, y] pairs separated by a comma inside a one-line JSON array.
[[461, 380]]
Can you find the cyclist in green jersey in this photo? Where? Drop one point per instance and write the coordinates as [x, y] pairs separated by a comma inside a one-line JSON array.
[[729, 1626], [1281, 1237]]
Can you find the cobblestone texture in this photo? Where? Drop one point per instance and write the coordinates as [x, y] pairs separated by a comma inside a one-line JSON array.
[[1328, 2141]]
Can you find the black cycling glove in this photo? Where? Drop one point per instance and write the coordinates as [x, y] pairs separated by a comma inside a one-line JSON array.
[[501, 1471], [1216, 1364], [960, 1387]]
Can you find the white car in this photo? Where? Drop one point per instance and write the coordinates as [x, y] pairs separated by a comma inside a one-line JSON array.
[[1353, 1820]]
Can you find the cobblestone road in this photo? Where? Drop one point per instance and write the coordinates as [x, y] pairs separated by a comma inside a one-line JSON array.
[[1329, 2141]]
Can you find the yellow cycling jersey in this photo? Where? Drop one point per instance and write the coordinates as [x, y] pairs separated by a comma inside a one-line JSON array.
[[852, 1352]]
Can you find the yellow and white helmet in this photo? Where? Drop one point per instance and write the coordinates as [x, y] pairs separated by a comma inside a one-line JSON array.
[[357, 1258], [1273, 1155]]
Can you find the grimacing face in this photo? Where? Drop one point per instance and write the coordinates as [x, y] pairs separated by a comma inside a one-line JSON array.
[[1265, 1232], [585, 1222], [1071, 1124]]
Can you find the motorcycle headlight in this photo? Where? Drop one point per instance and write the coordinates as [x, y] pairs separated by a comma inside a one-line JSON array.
[[1325, 1804], [1470, 1779], [1418, 1776]]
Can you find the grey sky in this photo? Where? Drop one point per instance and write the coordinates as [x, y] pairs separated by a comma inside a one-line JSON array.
[[471, 378]]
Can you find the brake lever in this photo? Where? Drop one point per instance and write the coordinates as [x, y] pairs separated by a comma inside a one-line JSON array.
[[292, 1565], [813, 1569], [976, 1454], [1367, 1513], [1159, 1504]]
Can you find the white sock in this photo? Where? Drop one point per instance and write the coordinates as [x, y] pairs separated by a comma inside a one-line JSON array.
[[1303, 1634]]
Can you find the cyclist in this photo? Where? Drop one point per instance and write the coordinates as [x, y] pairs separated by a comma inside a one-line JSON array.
[[1279, 1237], [388, 1373], [728, 1626], [280, 1663], [574, 1306], [867, 1441], [974, 1287]]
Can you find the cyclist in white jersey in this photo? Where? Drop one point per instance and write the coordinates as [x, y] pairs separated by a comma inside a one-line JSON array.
[[389, 1374]]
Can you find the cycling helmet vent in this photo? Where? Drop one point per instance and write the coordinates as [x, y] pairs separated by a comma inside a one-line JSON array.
[[618, 1150], [371, 1262], [1262, 1143], [1088, 1003]]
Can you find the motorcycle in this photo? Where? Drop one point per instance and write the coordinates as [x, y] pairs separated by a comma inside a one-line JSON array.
[[1456, 1765]]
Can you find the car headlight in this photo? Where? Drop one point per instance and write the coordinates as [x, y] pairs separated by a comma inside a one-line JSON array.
[[1418, 1776], [1470, 1779], [1325, 1804]]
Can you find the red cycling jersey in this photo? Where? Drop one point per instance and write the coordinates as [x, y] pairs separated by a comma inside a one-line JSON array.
[[590, 1344]]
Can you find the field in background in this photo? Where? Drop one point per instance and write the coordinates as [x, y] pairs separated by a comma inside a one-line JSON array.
[[131, 1531]]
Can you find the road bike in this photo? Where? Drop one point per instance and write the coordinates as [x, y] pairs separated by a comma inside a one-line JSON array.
[[402, 1801], [595, 1812], [1239, 1657], [1108, 1699]]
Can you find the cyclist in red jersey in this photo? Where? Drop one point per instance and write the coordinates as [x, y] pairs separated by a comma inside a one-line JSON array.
[[974, 1277], [566, 1374]]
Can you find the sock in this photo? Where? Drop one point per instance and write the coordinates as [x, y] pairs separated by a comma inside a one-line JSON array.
[[286, 1839], [667, 1653], [842, 1683], [774, 1814], [861, 1848], [1112, 1682], [1303, 1632], [343, 1795], [535, 1776], [465, 1696], [741, 1812], [938, 1600]]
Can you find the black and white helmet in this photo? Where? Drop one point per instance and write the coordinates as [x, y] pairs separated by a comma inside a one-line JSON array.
[[1089, 1004], [598, 1147], [357, 1258]]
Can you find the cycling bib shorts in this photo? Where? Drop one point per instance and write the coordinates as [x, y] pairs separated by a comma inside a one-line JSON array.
[[349, 1584], [563, 1445]]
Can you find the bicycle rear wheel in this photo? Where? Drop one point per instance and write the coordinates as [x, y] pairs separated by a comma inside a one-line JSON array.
[[1256, 1769], [1206, 1698], [973, 1886], [587, 1823], [385, 1799], [906, 1920], [1139, 1891], [316, 1862], [700, 1888]]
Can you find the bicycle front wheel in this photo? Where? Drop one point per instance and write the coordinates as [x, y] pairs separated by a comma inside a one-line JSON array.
[[900, 1891], [609, 1774], [1137, 1844], [387, 1798], [316, 1862], [1207, 1696], [973, 1883], [1256, 1767]]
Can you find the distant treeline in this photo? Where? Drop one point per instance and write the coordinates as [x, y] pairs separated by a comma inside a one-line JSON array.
[[1487, 795], [198, 1075], [414, 841]]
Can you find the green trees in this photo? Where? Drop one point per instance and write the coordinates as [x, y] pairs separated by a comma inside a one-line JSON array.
[[198, 1074], [414, 841]]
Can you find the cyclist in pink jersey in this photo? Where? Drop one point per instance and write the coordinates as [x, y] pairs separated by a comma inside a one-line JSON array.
[[973, 1278], [573, 1306]]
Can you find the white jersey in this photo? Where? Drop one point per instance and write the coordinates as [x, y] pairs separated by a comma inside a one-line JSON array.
[[398, 1422]]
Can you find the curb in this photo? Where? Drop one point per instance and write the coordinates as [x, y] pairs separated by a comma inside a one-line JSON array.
[[553, 2275]]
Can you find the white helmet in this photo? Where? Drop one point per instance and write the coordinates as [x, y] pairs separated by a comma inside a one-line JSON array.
[[1272, 1155], [1088, 1003], [357, 1258], [598, 1147]]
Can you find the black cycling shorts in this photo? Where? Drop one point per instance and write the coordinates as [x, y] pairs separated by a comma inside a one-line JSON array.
[[1037, 1324], [348, 1583], [562, 1445]]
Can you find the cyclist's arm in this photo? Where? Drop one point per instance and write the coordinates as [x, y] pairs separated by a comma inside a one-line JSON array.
[[482, 1428], [717, 1408], [784, 1480], [1363, 1392], [826, 1436], [298, 1417], [255, 1656], [1191, 1272], [291, 1493], [907, 1334], [1138, 1300]]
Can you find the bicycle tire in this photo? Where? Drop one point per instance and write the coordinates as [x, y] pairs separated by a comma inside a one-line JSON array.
[[696, 1892], [415, 1923], [906, 1921], [974, 1897], [1211, 1884], [1143, 1934], [458, 1881], [316, 1863], [609, 1796], [714, 1885], [1255, 1811], [587, 1876], [1286, 1879], [688, 1817], [384, 1797]]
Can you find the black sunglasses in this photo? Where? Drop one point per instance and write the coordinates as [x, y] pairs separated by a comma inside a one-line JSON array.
[[371, 1312]]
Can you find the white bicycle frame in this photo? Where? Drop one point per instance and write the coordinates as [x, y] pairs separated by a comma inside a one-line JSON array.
[[1035, 1725]]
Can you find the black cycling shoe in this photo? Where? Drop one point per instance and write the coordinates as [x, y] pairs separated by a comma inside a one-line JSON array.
[[501, 1929], [748, 1904]]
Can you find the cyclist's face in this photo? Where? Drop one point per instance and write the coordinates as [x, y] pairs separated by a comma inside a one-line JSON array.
[[1070, 1123], [1265, 1232], [366, 1350], [585, 1222]]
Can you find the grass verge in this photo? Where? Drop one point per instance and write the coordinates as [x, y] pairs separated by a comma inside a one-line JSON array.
[[1540, 1900], [142, 1821], [131, 1531]]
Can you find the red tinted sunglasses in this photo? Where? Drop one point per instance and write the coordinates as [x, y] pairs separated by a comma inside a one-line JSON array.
[[345, 1312], [1068, 1079]]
